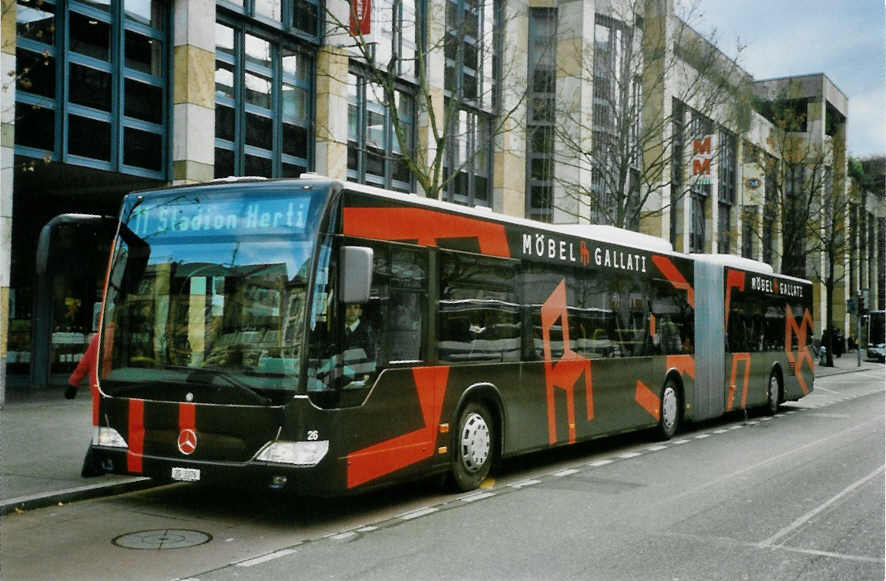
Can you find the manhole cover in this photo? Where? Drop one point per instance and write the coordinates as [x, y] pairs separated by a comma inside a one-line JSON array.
[[161, 539]]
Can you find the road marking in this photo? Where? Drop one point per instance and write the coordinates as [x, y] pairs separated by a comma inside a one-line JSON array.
[[265, 558], [721, 431], [344, 536], [567, 472], [843, 556], [678, 442], [598, 463], [418, 513], [476, 496], [657, 448], [702, 436], [524, 483], [809, 515], [368, 529], [628, 455]]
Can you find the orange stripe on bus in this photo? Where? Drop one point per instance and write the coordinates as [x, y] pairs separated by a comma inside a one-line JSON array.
[[647, 399], [673, 275], [424, 226], [402, 451], [136, 435]]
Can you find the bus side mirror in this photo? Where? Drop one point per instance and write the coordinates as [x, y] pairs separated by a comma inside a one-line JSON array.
[[355, 268]]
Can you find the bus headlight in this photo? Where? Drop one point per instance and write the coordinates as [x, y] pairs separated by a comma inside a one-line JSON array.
[[296, 453], [108, 438]]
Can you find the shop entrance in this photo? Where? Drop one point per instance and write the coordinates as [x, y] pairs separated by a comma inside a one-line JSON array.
[[72, 257]]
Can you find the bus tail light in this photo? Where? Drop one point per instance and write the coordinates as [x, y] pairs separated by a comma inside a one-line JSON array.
[[297, 453], [108, 438]]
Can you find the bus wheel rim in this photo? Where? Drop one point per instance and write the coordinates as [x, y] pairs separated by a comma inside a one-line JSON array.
[[773, 391], [669, 407], [474, 442]]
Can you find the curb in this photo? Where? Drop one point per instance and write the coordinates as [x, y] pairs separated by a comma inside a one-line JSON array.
[[41, 500], [842, 371]]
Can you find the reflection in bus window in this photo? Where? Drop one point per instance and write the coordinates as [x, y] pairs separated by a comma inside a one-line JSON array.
[[479, 317]]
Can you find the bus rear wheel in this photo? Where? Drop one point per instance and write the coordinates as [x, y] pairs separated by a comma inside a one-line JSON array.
[[774, 394], [473, 446], [669, 414]]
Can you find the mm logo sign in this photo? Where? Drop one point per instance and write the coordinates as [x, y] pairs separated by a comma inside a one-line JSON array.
[[701, 159]]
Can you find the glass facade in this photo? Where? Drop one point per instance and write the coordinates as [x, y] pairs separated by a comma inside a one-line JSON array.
[[301, 18], [374, 149], [542, 114], [263, 102], [700, 127], [677, 145], [471, 53], [91, 84], [381, 127], [616, 125]]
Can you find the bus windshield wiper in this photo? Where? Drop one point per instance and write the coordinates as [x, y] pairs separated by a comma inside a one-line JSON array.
[[206, 375]]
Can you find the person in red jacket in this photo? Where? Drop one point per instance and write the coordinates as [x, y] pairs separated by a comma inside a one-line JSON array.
[[88, 365]]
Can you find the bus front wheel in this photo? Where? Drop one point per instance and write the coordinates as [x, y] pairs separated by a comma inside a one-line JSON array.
[[669, 414], [473, 447]]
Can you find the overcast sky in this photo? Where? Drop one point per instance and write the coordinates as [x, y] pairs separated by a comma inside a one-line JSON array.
[[843, 39]]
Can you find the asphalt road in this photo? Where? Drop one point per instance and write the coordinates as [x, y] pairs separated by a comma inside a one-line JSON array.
[[797, 496]]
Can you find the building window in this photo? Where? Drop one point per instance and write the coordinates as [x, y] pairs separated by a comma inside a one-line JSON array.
[[723, 228], [395, 26], [770, 211], [700, 128], [854, 258], [263, 96], [727, 167], [299, 17], [468, 159], [540, 142], [374, 150], [110, 111], [677, 146], [794, 221], [616, 126], [697, 223], [471, 52]]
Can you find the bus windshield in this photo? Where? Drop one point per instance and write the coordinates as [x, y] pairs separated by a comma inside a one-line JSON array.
[[206, 296]]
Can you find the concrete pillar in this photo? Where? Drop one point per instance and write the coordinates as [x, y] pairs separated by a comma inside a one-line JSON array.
[[575, 84], [193, 91], [7, 157], [435, 66], [332, 113], [509, 154]]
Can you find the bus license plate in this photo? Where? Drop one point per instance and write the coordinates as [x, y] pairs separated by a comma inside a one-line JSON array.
[[185, 474]]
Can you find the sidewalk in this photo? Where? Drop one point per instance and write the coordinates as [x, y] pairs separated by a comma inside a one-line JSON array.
[[848, 363], [43, 438]]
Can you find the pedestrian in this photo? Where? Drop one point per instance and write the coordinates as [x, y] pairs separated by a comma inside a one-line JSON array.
[[88, 366]]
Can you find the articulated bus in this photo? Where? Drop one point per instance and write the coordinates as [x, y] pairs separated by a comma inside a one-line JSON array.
[[229, 348]]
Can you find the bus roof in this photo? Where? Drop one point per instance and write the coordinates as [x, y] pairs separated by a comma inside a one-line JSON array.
[[748, 264], [609, 234]]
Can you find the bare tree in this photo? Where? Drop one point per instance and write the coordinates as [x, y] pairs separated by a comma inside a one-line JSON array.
[[422, 55], [635, 144]]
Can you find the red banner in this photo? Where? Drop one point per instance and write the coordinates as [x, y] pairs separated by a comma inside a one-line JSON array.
[[361, 13]]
